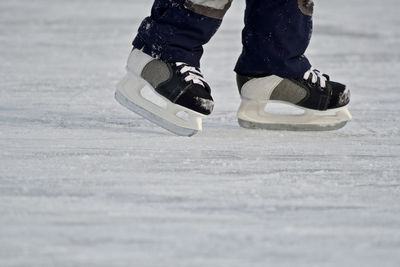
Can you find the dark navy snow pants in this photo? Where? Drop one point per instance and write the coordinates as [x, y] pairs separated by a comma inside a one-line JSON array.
[[275, 37]]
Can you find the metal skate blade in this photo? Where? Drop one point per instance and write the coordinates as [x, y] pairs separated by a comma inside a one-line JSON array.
[[154, 118], [290, 127]]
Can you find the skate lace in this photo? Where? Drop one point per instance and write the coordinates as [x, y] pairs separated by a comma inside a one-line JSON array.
[[316, 77], [194, 74]]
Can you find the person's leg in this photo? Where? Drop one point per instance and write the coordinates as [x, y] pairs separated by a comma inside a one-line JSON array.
[[163, 82], [273, 68], [177, 29], [275, 37]]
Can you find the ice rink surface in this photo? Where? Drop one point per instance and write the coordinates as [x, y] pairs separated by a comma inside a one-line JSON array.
[[83, 182]]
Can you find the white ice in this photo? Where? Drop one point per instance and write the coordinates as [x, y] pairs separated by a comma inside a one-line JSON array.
[[83, 182]]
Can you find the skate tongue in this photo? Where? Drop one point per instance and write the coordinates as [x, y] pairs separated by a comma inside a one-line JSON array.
[[326, 76]]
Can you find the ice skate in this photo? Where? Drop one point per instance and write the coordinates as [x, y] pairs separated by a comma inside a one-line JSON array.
[[174, 96], [318, 104]]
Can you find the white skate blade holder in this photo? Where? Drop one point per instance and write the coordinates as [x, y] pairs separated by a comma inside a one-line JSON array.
[[253, 111], [139, 96]]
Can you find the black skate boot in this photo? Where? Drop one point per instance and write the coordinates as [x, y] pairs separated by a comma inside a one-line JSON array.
[[322, 101], [175, 96]]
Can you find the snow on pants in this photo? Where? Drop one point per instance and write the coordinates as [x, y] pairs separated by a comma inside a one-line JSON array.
[[275, 37]]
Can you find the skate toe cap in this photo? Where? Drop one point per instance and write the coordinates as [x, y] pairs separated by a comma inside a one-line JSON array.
[[340, 95], [197, 99]]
